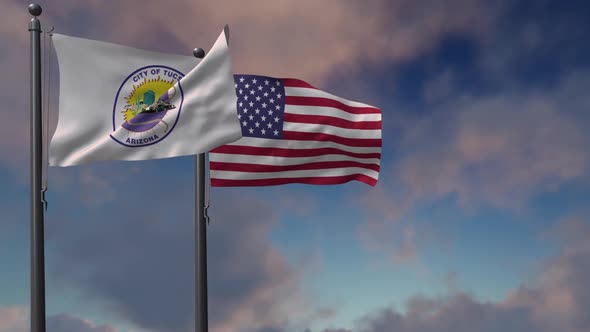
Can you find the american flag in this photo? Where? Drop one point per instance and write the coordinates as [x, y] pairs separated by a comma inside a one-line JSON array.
[[295, 133]]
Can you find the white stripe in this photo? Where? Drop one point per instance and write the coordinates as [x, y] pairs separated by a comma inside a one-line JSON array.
[[302, 145], [307, 92], [330, 111], [283, 161], [229, 175], [324, 129]]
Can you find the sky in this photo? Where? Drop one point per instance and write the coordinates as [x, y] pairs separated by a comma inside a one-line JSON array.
[[479, 221]]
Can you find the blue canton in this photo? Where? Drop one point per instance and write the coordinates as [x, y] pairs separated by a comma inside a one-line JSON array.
[[261, 105]]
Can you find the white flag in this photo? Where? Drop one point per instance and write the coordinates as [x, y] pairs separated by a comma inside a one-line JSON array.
[[122, 103]]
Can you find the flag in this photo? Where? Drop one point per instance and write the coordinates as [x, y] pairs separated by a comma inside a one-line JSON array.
[[295, 133], [122, 103]]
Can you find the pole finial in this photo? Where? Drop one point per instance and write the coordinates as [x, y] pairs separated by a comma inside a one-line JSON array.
[[35, 9], [199, 53]]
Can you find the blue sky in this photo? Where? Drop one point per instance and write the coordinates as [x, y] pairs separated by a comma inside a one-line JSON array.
[[478, 222]]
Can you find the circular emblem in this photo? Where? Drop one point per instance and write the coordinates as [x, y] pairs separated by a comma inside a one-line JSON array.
[[147, 106]]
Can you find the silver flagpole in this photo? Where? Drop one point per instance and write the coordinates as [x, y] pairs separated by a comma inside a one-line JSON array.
[[37, 232], [201, 310]]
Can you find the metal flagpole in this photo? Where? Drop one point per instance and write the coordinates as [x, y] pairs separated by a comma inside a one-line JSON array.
[[201, 312], [37, 233]]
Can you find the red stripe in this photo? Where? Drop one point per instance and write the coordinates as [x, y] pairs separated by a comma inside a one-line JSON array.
[[331, 121], [360, 142], [307, 180], [295, 83], [283, 152], [327, 102], [256, 168]]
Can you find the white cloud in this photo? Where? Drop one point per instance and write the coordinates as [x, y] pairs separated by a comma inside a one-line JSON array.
[[497, 150], [13, 319], [16, 319]]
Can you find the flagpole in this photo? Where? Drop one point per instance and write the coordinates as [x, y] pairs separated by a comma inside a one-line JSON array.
[[201, 310], [37, 232]]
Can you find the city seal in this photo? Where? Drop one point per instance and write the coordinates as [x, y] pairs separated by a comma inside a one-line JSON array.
[[147, 106]]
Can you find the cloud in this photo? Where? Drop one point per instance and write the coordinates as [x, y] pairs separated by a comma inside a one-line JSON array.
[[459, 313], [495, 150], [346, 33], [16, 319], [139, 266], [14, 62], [68, 323], [528, 47], [561, 296], [256, 286], [556, 299], [13, 319], [389, 229], [493, 131], [486, 132]]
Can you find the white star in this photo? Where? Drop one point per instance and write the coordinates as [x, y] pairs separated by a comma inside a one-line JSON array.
[[260, 88], [251, 130], [278, 107], [245, 97], [263, 105], [257, 111], [241, 79], [244, 123], [236, 85], [263, 118], [263, 131], [279, 96], [257, 98], [239, 116], [241, 104], [272, 89], [269, 125], [252, 92], [247, 85], [257, 124], [272, 101], [278, 83], [266, 94], [245, 110], [277, 119], [251, 104], [266, 82], [254, 81], [251, 117], [276, 132], [270, 112], [241, 91]]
